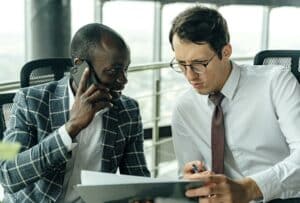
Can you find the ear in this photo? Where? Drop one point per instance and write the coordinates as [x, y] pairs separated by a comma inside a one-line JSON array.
[[227, 51], [77, 61]]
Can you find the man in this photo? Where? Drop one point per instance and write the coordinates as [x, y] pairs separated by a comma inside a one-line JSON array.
[[65, 128], [259, 107]]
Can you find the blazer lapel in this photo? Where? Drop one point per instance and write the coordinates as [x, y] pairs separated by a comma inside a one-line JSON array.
[[109, 134], [59, 105]]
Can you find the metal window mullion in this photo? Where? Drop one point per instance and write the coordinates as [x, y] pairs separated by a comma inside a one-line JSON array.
[[156, 84], [98, 10], [265, 34]]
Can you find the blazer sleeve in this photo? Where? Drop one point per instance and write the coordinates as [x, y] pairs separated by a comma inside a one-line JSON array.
[[35, 158], [134, 162]]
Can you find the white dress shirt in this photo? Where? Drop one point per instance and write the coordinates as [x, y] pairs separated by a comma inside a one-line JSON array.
[[262, 128], [86, 154]]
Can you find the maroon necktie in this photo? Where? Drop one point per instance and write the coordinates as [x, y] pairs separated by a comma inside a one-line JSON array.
[[217, 134]]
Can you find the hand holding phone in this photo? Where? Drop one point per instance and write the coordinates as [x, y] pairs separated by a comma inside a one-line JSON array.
[[89, 99], [77, 72]]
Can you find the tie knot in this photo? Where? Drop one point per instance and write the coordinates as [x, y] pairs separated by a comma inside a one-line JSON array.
[[216, 98]]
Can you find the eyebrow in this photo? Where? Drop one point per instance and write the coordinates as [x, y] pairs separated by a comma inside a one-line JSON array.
[[200, 60], [195, 60]]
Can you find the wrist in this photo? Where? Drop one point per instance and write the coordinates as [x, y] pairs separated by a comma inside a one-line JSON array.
[[72, 129], [251, 189]]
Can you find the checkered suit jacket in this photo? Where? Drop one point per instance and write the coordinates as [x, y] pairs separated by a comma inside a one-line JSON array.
[[37, 173]]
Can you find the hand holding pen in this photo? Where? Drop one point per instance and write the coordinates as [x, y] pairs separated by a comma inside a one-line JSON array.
[[192, 168], [196, 170]]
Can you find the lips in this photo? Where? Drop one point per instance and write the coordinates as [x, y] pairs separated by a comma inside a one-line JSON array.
[[197, 85], [116, 91], [118, 88]]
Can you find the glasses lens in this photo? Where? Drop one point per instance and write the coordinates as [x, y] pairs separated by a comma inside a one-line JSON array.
[[198, 68], [177, 67]]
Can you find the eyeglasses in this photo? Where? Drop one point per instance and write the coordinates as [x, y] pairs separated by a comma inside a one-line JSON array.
[[196, 66]]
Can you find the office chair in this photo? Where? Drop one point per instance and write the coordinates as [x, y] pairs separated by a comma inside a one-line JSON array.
[[287, 58], [6, 101], [44, 70]]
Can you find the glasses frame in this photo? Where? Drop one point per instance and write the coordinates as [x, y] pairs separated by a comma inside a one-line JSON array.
[[173, 64]]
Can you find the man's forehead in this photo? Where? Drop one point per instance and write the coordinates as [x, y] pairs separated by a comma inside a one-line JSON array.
[[111, 55]]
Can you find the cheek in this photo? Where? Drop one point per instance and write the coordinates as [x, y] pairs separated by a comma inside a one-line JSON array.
[[211, 77]]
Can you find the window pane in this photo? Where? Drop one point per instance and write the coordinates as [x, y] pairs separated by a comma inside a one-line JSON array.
[[245, 28], [134, 21], [81, 14], [284, 29], [12, 35], [169, 12]]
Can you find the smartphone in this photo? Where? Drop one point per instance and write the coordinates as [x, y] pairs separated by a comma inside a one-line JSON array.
[[77, 72]]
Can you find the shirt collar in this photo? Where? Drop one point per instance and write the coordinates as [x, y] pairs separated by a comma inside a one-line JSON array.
[[231, 84]]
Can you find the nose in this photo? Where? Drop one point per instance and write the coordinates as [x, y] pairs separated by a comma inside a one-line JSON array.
[[190, 74], [122, 78]]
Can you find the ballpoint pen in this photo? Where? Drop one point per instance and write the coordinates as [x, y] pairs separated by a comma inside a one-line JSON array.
[[195, 168]]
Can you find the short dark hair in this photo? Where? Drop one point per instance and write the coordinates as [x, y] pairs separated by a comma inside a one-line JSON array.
[[201, 24], [89, 37]]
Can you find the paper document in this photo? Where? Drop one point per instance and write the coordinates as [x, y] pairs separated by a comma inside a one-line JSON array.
[[106, 187], [8, 150]]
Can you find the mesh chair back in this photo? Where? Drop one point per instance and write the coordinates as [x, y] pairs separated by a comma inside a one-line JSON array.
[[44, 70], [287, 58], [6, 101]]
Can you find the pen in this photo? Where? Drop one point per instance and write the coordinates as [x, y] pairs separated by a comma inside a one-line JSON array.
[[195, 168]]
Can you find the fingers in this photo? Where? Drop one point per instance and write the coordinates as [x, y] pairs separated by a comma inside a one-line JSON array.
[[83, 81], [99, 95], [189, 168], [201, 191], [204, 191], [215, 188], [213, 178], [198, 176], [94, 87], [209, 199]]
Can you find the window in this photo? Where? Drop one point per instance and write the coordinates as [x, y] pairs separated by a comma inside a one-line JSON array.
[[82, 13], [284, 31], [12, 40], [245, 28], [134, 21]]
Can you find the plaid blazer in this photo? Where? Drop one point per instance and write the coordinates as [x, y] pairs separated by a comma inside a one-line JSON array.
[[37, 172]]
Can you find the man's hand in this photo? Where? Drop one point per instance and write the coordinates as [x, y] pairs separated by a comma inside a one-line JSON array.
[[193, 167], [88, 101], [219, 188]]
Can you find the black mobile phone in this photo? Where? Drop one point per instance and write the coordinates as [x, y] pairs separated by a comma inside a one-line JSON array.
[[77, 72]]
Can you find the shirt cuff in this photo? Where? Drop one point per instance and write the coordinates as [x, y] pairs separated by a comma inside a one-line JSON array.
[[268, 184], [66, 138]]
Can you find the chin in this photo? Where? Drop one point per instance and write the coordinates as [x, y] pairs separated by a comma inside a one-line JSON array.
[[115, 94], [202, 91]]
